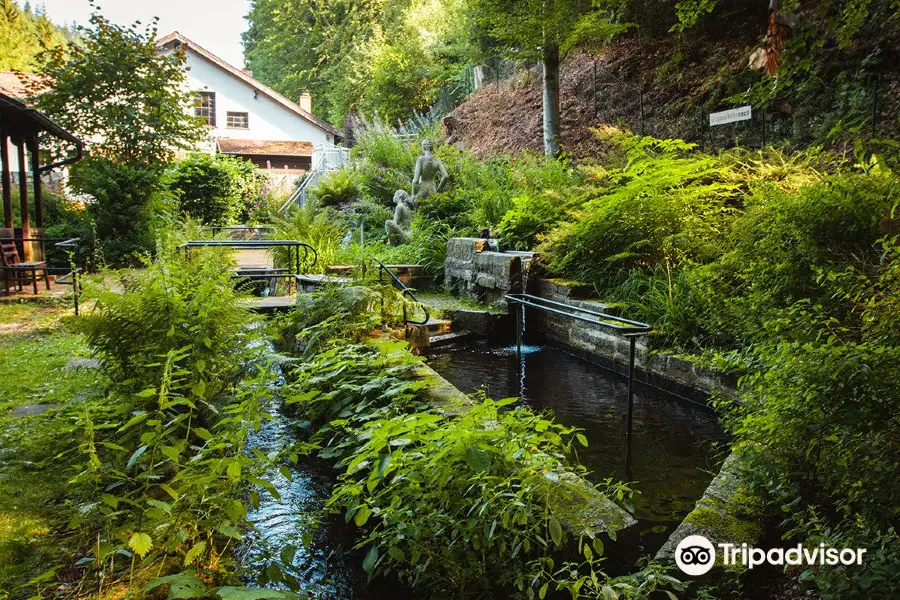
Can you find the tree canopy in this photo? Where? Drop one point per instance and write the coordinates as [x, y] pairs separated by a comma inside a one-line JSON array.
[[115, 89], [386, 56], [24, 35]]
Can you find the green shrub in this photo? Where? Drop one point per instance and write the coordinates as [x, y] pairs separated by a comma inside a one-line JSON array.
[[178, 302], [371, 215], [319, 227], [782, 239], [421, 482], [334, 189], [667, 205], [532, 216], [128, 206], [216, 189], [165, 464]]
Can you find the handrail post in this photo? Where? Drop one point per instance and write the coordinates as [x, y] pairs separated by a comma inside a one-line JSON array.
[[520, 319], [628, 453], [380, 283]]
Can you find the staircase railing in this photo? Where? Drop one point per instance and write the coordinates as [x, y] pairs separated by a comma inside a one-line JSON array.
[[405, 291], [326, 159]]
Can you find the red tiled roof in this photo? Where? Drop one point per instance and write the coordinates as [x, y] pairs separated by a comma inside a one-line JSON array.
[[264, 147], [15, 85], [240, 74]]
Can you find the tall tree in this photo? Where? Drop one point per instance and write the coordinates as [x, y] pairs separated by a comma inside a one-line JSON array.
[[116, 90], [366, 55], [546, 31], [24, 36], [307, 45]]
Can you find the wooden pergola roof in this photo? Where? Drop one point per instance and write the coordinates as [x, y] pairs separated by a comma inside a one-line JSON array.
[[21, 125]]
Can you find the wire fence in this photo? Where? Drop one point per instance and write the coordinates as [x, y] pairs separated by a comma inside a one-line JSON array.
[[869, 108]]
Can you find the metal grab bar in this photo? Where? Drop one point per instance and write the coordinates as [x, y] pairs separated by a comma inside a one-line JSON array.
[[628, 328], [383, 268], [623, 326]]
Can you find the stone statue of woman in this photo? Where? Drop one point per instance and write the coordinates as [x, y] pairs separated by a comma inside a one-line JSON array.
[[397, 229], [428, 167]]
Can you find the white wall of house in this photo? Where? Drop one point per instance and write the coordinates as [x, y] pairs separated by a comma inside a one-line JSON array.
[[268, 119], [52, 179]]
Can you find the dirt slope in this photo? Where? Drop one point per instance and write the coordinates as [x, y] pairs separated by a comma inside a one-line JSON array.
[[681, 80]]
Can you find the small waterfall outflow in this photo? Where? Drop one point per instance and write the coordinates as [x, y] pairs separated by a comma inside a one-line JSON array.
[[526, 271]]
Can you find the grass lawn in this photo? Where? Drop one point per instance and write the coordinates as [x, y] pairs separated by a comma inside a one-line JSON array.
[[35, 346]]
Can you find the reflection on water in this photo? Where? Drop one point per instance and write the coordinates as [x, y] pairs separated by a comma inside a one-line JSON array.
[[673, 440]]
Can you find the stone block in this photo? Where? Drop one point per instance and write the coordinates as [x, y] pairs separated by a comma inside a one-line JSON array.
[[728, 512]]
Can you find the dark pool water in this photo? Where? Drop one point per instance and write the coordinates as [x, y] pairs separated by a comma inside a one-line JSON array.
[[675, 442]]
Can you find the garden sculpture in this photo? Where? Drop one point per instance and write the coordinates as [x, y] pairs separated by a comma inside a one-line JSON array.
[[428, 166], [398, 228]]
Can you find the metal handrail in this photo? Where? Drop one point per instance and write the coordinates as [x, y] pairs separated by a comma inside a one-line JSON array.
[[628, 328], [623, 326], [404, 291], [76, 269], [258, 245]]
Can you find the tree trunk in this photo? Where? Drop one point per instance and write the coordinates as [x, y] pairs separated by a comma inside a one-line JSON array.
[[551, 100]]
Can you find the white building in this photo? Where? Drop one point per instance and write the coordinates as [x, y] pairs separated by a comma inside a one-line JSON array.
[[247, 118]]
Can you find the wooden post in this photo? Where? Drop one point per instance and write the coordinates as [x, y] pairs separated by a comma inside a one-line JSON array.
[[23, 202], [34, 150], [6, 180]]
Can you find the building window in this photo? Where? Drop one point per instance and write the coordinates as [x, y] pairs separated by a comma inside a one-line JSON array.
[[238, 120], [205, 107]]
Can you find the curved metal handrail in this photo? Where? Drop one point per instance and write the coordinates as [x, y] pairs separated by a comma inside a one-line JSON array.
[[405, 291]]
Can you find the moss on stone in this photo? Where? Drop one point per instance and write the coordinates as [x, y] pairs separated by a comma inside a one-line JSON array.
[[724, 526]]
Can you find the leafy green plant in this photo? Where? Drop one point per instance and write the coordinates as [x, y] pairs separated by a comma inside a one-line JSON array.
[[667, 205], [314, 225], [128, 206], [180, 301], [530, 217], [422, 482], [335, 189], [161, 468], [216, 189]]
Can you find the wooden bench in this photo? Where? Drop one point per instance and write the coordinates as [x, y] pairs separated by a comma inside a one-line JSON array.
[[14, 269]]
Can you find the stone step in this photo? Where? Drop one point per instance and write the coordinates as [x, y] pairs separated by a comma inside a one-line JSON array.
[[309, 283], [447, 339], [437, 326]]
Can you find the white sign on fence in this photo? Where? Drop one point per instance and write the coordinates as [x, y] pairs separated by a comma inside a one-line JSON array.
[[744, 113]]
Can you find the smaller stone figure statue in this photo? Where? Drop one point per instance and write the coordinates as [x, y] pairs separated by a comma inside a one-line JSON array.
[[428, 167], [398, 228]]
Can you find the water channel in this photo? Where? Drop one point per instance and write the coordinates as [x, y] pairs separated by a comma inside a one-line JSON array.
[[674, 448]]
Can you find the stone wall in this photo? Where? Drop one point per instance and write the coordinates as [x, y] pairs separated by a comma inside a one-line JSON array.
[[474, 271], [675, 374]]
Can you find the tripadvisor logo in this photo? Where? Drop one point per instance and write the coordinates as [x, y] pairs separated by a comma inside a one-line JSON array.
[[696, 555]]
